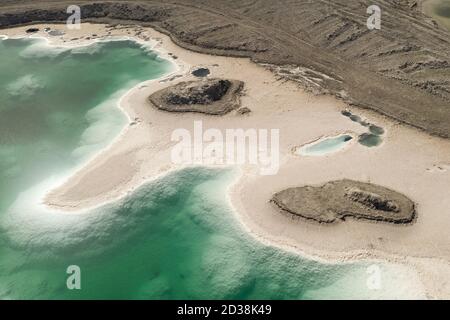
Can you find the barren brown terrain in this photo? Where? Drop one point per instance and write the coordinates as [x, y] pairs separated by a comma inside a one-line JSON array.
[[402, 70], [210, 96], [338, 200]]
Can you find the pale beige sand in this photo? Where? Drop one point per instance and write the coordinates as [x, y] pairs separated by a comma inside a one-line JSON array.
[[409, 161]]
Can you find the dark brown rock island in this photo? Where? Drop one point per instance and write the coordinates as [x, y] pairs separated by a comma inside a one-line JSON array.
[[210, 96], [337, 200]]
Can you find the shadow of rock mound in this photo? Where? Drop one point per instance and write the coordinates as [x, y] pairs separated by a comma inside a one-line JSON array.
[[210, 96], [337, 200]]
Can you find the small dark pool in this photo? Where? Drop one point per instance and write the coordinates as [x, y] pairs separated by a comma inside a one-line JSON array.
[[370, 140], [201, 72], [376, 130]]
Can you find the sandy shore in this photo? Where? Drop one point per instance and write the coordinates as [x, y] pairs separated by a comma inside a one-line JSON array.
[[409, 161]]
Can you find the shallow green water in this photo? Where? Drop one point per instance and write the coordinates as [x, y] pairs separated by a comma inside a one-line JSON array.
[[378, 131], [173, 238], [325, 146], [58, 105], [372, 138]]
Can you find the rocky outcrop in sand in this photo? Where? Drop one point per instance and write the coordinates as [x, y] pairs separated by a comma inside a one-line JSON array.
[[210, 96], [337, 200]]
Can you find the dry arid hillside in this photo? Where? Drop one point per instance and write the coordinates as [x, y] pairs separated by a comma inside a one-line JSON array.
[[402, 70]]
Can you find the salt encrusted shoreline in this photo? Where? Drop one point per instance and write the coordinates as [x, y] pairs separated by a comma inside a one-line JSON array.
[[142, 153]]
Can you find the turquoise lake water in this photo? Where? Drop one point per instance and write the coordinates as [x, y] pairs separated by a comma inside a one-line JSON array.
[[325, 146], [175, 237]]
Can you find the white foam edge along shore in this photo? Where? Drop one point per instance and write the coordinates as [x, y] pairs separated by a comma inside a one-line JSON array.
[[142, 152]]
